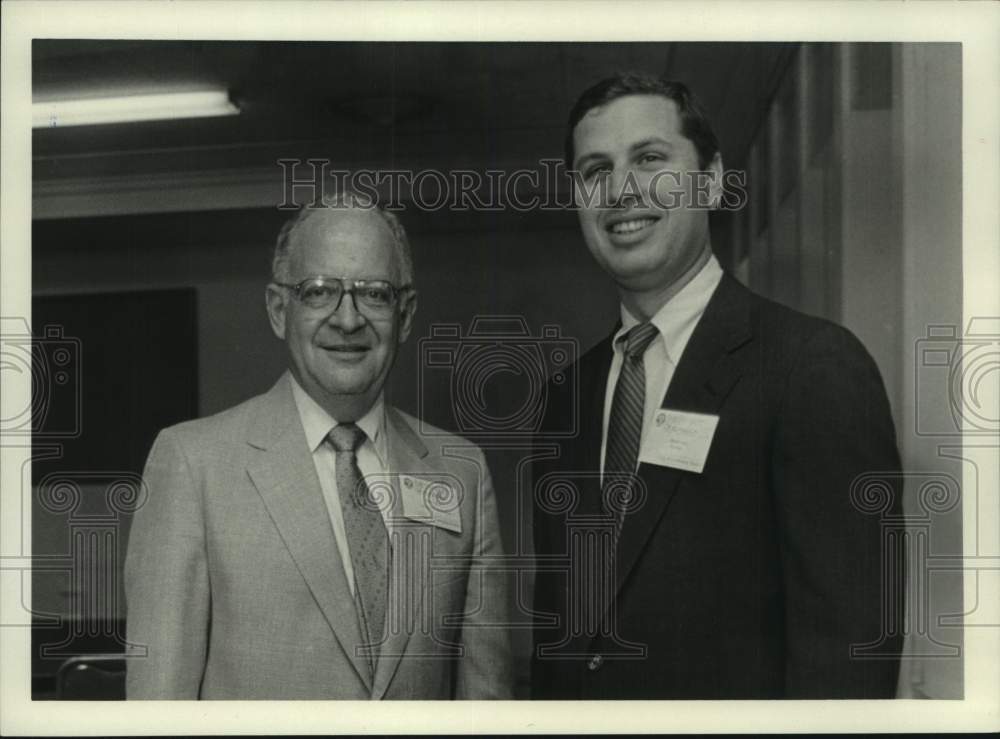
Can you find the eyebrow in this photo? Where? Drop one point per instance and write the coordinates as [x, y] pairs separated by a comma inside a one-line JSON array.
[[648, 142], [597, 155]]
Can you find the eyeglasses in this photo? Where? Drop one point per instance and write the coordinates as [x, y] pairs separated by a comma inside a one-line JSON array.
[[376, 297]]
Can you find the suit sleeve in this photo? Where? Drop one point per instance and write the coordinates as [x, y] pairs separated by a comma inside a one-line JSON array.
[[166, 581], [485, 669], [835, 428], [550, 677]]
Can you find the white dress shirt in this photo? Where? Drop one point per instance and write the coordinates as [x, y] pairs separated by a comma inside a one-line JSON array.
[[372, 458], [676, 321]]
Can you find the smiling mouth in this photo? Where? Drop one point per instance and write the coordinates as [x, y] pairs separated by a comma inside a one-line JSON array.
[[631, 225], [349, 349]]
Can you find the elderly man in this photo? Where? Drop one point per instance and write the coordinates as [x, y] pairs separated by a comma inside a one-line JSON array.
[[727, 450], [310, 542]]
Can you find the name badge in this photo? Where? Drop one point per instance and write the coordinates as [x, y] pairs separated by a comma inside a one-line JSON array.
[[434, 502], [679, 439]]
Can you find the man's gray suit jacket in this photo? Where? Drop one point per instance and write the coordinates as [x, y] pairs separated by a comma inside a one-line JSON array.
[[235, 588]]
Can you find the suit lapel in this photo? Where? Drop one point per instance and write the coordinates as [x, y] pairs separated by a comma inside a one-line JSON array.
[[593, 385], [285, 476], [581, 464], [408, 583], [707, 371]]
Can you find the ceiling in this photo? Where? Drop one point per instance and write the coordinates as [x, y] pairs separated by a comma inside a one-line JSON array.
[[365, 104]]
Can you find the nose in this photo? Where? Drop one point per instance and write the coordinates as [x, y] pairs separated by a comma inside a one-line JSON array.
[[624, 188], [347, 317]]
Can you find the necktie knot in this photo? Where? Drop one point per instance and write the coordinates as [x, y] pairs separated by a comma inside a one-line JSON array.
[[638, 338], [346, 437]]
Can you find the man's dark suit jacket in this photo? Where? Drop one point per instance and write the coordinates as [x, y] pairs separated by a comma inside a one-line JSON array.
[[754, 578]]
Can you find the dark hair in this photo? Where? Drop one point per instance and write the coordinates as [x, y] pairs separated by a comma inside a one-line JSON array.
[[694, 122]]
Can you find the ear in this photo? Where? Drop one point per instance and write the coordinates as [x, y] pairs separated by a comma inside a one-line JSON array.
[[407, 309], [277, 305], [715, 184]]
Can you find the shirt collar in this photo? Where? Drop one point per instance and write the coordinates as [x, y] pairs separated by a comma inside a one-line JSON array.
[[677, 317], [317, 423]]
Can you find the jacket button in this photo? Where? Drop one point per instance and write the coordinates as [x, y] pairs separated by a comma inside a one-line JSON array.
[[595, 662]]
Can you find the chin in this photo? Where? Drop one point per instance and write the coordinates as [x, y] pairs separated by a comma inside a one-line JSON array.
[[643, 280], [631, 271], [635, 284], [349, 389]]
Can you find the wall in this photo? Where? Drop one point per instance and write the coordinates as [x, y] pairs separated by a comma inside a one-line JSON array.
[[855, 215], [930, 272]]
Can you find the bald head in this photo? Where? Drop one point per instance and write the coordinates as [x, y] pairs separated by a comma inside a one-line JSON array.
[[348, 211]]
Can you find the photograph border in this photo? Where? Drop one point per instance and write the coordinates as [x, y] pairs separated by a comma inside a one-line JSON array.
[[973, 24]]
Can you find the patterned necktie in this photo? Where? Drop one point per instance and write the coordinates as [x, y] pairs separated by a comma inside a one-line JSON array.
[[625, 424], [367, 538]]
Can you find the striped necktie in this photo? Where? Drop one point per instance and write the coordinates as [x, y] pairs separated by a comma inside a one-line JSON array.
[[625, 425], [367, 538]]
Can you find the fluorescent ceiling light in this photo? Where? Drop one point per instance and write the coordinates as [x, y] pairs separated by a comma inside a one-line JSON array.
[[127, 108]]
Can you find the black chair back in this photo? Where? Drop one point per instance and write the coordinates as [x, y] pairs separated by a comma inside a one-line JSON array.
[[92, 677]]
